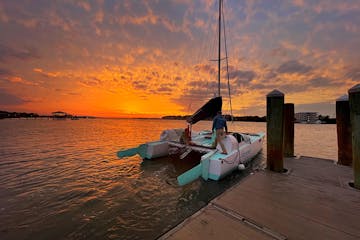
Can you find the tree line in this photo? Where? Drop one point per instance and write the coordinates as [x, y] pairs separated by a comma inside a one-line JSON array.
[[227, 117], [323, 119]]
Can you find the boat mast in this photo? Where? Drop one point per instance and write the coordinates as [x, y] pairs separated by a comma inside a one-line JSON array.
[[219, 50]]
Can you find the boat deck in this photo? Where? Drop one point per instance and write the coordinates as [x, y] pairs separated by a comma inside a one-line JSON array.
[[313, 200]]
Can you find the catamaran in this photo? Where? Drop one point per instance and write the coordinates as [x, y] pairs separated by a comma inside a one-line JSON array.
[[241, 148]]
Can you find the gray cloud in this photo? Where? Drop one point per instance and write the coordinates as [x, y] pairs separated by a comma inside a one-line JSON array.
[[261, 86], [139, 85], [270, 75], [285, 88], [9, 99], [201, 84], [205, 68], [91, 82], [278, 52], [206, 85], [192, 100], [5, 72], [7, 53], [292, 88], [296, 87], [164, 89], [353, 74], [323, 82], [293, 66], [242, 77], [198, 93]]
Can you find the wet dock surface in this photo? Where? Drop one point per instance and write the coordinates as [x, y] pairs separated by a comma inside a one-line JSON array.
[[313, 200]]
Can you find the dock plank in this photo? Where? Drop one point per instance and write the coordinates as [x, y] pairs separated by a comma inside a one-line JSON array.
[[312, 201], [212, 224]]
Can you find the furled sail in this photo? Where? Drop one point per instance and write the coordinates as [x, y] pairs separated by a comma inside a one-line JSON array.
[[208, 110]]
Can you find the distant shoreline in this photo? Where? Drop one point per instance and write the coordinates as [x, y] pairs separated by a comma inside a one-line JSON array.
[[5, 114], [228, 118]]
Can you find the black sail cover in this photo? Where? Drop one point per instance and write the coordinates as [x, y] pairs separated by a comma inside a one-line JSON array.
[[210, 109]]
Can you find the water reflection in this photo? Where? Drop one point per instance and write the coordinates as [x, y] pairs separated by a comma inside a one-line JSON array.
[[62, 179]]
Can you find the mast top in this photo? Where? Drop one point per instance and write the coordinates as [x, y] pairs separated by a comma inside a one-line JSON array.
[[219, 47]]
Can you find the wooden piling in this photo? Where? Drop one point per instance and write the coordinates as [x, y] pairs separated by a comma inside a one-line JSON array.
[[343, 126], [354, 100], [289, 115], [275, 130]]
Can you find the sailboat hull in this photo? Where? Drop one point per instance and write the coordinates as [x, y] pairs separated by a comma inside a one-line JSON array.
[[214, 165], [221, 164]]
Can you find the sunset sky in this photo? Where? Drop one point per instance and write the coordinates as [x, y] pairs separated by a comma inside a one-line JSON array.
[[152, 58]]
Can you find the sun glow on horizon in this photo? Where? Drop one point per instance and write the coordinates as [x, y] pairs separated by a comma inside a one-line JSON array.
[[147, 58]]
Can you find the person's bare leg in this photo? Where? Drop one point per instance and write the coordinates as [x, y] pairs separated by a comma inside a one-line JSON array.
[[219, 136], [216, 140], [223, 147]]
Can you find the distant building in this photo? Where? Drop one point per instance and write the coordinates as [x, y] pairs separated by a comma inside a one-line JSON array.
[[59, 115], [306, 117]]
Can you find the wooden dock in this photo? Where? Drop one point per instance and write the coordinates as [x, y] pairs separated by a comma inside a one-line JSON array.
[[313, 200]]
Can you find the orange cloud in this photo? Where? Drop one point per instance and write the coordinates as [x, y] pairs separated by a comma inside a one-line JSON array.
[[46, 74], [84, 5], [99, 17], [57, 21], [16, 79]]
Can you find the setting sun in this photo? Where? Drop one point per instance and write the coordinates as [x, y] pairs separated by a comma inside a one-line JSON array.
[[140, 58]]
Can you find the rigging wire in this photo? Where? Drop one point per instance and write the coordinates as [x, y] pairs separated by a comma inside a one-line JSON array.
[[204, 51], [227, 66], [219, 48], [212, 47], [212, 51]]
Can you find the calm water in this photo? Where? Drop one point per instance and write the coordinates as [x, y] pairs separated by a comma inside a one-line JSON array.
[[62, 179]]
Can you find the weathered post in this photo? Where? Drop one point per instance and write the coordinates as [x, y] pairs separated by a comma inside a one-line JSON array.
[[354, 100], [289, 115], [343, 126], [274, 130]]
